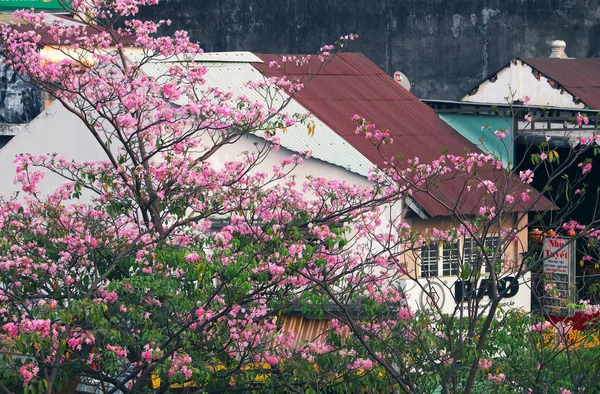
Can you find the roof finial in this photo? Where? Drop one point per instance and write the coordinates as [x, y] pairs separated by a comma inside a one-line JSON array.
[[558, 49]]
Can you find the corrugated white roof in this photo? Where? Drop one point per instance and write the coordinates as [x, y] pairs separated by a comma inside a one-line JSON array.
[[326, 144], [136, 54]]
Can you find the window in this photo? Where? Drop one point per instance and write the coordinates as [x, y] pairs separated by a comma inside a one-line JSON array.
[[429, 260], [490, 245], [472, 253], [450, 259], [445, 258]]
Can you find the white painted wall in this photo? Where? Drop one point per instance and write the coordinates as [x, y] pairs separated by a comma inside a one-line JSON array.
[[54, 130], [311, 166], [444, 288], [58, 130], [518, 79]]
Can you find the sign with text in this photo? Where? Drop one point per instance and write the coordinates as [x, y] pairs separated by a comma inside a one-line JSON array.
[[455, 296], [558, 275], [37, 4]]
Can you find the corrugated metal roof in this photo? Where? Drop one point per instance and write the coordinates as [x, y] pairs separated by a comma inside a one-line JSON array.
[[351, 84], [581, 77], [235, 57], [136, 54], [305, 329], [326, 144]]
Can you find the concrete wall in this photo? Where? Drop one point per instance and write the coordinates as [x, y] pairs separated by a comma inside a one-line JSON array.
[[445, 47]]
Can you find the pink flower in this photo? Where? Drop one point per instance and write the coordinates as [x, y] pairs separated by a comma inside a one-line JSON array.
[[509, 199], [359, 363], [485, 364], [192, 257], [581, 119], [28, 372], [528, 118], [147, 355], [526, 176], [564, 391], [539, 327], [118, 350], [543, 156], [497, 378], [150, 354], [585, 168], [499, 134]]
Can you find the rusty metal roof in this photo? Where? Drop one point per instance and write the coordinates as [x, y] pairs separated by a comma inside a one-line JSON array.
[[580, 77], [352, 84]]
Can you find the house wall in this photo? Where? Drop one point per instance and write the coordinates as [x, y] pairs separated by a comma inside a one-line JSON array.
[[57, 130], [517, 81], [309, 167], [54, 130], [444, 286]]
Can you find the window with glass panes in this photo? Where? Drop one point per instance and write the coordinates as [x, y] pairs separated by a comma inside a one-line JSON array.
[[491, 243], [473, 256], [450, 258], [470, 254], [429, 260]]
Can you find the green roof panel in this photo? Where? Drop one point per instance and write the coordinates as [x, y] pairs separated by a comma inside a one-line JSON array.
[[479, 129]]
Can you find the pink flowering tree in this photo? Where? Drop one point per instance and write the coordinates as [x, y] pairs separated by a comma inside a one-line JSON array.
[[462, 334], [156, 267]]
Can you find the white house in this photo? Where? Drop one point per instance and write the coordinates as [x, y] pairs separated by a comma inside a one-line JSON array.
[[554, 82], [350, 84]]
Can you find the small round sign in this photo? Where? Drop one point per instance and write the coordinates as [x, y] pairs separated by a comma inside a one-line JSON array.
[[402, 80], [433, 296]]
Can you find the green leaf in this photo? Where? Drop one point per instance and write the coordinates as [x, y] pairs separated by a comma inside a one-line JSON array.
[[466, 272]]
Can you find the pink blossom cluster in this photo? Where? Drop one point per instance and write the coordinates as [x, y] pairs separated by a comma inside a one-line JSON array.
[[119, 351], [497, 378], [539, 327], [361, 363], [181, 365], [28, 372], [484, 364], [151, 353]]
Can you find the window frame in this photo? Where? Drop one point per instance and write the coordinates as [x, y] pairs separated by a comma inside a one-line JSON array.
[[429, 248], [444, 266]]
